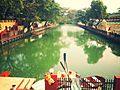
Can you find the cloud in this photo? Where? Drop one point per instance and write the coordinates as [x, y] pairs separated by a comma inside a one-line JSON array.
[[112, 5], [74, 4]]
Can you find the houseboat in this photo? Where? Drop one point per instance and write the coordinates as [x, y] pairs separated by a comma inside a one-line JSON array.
[[58, 81], [10, 31]]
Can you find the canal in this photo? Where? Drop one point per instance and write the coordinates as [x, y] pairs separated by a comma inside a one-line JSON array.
[[87, 54]]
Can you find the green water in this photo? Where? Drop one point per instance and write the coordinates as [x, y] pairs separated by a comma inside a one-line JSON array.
[[87, 54], [28, 58]]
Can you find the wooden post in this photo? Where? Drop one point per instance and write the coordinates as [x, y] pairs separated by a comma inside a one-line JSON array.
[[116, 83]]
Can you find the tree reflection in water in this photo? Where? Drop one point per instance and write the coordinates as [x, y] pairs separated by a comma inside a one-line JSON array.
[[31, 59], [115, 49], [95, 52]]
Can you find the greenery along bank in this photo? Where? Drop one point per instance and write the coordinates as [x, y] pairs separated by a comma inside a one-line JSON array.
[[50, 11], [29, 10], [96, 11], [18, 16]]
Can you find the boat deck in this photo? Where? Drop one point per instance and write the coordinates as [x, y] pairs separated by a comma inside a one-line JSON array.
[[20, 83]]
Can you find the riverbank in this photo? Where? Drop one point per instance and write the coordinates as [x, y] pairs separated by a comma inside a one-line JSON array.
[[114, 37]]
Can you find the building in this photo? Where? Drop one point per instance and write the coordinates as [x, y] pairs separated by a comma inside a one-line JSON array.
[[115, 17]]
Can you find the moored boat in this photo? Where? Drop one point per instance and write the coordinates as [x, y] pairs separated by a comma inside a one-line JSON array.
[[61, 80]]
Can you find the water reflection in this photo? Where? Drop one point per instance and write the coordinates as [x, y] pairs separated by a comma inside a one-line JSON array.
[[92, 47], [31, 59], [115, 49], [95, 45], [94, 53], [88, 54]]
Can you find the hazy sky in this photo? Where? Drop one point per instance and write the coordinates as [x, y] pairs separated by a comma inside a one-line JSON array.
[[112, 5]]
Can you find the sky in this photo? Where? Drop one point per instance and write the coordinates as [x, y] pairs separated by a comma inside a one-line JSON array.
[[112, 5]]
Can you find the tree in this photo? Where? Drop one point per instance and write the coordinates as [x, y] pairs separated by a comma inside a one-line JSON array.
[[83, 15], [32, 10], [48, 10], [118, 11], [98, 10], [71, 16], [29, 12], [9, 8], [80, 14], [63, 15], [67, 16]]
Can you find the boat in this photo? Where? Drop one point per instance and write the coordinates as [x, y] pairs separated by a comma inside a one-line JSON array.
[[67, 79], [60, 80], [15, 83]]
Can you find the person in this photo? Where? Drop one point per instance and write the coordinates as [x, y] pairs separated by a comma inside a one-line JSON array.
[[13, 87], [109, 28]]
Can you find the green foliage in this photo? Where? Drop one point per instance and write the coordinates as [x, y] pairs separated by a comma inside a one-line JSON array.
[[32, 10], [83, 15], [97, 10], [9, 8], [67, 16], [48, 10]]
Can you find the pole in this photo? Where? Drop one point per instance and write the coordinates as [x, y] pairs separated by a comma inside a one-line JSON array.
[[65, 61]]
